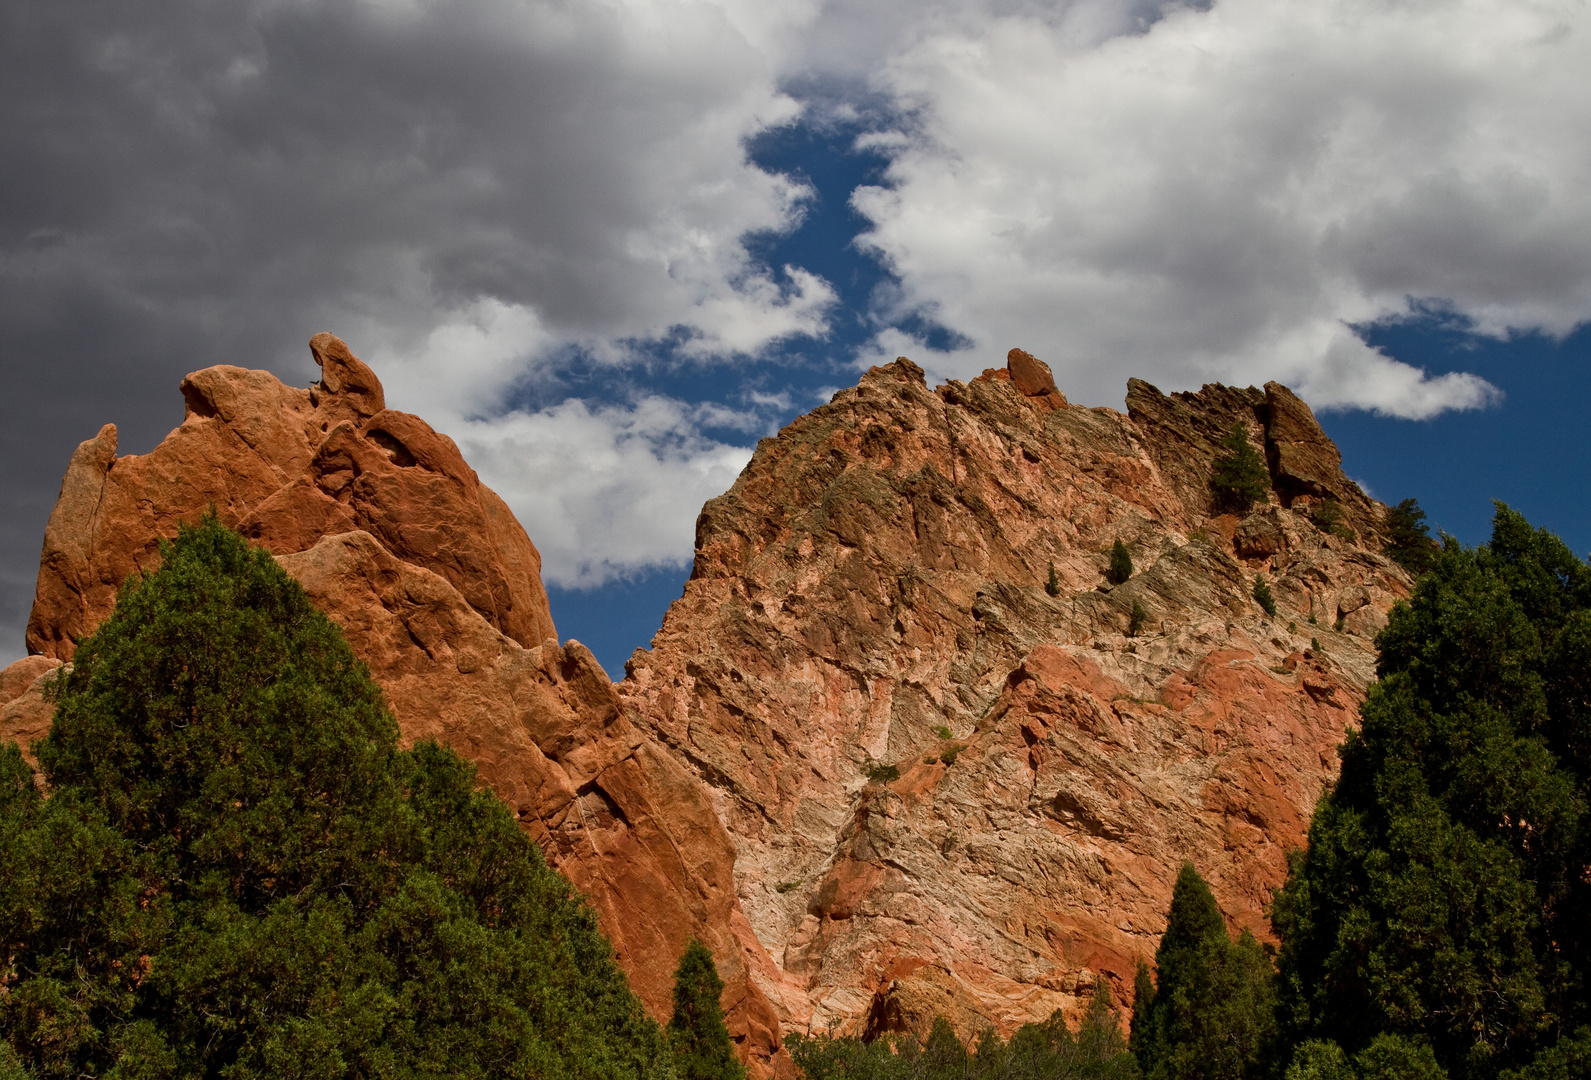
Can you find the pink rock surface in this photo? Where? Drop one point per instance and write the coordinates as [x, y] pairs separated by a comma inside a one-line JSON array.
[[871, 593]]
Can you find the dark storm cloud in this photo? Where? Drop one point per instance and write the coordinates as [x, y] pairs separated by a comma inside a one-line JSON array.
[[191, 183]]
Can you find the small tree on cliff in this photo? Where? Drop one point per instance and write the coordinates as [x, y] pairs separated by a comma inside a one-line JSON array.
[[237, 873], [1120, 563], [1211, 1013], [1240, 478], [702, 1049]]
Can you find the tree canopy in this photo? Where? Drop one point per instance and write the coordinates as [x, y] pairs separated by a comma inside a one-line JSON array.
[[238, 874], [1040, 1051], [1441, 906]]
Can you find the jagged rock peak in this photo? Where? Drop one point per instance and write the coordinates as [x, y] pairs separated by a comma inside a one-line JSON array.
[[284, 466], [961, 768]]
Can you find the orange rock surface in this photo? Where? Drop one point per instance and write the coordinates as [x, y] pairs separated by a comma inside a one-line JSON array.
[[438, 589], [953, 793]]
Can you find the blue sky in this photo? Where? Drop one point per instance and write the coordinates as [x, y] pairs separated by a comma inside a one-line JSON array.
[[608, 245], [1523, 449]]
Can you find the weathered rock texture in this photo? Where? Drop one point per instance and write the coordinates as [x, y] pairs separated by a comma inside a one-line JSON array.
[[947, 788], [284, 466], [952, 792], [438, 589]]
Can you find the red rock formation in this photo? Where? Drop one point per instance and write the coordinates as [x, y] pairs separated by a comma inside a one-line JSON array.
[[438, 589], [945, 789], [868, 600], [285, 466]]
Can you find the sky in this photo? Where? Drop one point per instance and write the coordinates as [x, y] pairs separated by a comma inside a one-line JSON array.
[[606, 245]]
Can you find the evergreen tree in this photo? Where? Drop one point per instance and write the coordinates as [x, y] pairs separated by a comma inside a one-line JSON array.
[[1120, 563], [1052, 584], [1040, 1051], [1443, 897], [1408, 539], [1211, 1016], [1240, 478], [238, 874], [702, 1050]]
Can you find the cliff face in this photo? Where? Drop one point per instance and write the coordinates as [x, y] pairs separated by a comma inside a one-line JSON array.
[[438, 589], [871, 759], [952, 792]]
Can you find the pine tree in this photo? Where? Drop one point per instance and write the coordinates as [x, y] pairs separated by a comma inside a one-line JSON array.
[[1136, 620], [1052, 584], [702, 1050], [1442, 899], [1408, 538], [1240, 478], [1120, 563], [1211, 1016], [237, 873]]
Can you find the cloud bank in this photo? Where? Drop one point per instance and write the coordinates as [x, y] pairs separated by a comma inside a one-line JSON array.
[[1224, 194], [473, 191]]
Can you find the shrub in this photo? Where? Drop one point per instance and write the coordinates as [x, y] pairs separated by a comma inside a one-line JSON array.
[[1053, 584], [1262, 595], [1135, 621], [883, 774], [1120, 564]]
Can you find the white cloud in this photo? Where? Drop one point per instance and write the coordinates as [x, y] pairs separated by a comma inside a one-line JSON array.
[[1221, 195], [604, 491]]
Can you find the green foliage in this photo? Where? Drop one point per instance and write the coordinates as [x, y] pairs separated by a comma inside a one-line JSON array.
[[948, 757], [1211, 1014], [1408, 538], [941, 730], [883, 774], [1262, 595], [238, 874], [1052, 584], [1319, 1059], [1240, 478], [1444, 893], [1326, 516], [1393, 1057], [1045, 1051], [1120, 563], [1135, 621], [696, 1031]]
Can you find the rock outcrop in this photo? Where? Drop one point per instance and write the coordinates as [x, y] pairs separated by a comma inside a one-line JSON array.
[[285, 466], [438, 589], [900, 749], [952, 792]]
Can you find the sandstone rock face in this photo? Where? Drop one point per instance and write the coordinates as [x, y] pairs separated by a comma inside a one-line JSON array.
[[284, 466], [438, 589], [24, 714], [951, 792]]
